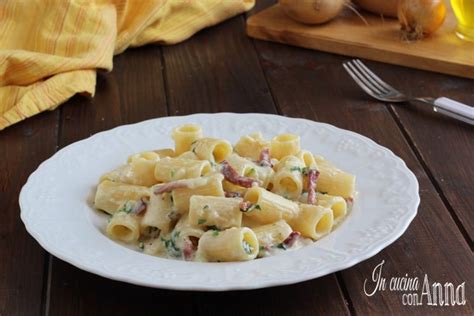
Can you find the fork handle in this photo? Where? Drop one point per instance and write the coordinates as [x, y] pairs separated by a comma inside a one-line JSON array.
[[454, 109]]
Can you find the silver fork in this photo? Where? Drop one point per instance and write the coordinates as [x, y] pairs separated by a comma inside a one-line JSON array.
[[380, 90]]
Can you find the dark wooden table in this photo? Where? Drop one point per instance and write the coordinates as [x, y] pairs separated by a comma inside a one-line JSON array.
[[221, 69]]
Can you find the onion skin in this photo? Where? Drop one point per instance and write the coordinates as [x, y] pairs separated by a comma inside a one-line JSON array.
[[312, 11], [382, 7], [420, 18]]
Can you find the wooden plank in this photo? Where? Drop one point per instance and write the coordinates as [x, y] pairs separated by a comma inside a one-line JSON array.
[[313, 297], [314, 85], [218, 70], [22, 261], [445, 145], [134, 91], [443, 52]]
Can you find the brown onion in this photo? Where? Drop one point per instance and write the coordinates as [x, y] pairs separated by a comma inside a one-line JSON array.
[[312, 11], [420, 18]]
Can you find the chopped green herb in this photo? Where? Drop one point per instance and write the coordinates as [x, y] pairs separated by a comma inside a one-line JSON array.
[[282, 246], [170, 244], [261, 248], [250, 172], [303, 170], [215, 233], [295, 169], [141, 245], [251, 208], [127, 207], [201, 221], [205, 207], [247, 247]]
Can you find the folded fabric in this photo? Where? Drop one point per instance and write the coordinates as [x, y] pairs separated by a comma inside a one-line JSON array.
[[50, 49]]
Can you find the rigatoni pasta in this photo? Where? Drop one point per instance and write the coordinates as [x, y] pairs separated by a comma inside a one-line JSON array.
[[184, 136], [233, 244], [215, 211], [169, 169], [211, 149], [205, 200], [111, 195], [333, 180], [285, 145]]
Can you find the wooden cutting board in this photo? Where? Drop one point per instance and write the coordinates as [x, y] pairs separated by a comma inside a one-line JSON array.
[[348, 35]]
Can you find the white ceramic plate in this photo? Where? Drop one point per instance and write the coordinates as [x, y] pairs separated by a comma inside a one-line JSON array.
[[56, 205]]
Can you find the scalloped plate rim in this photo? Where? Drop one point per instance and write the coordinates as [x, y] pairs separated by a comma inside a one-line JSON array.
[[368, 253]]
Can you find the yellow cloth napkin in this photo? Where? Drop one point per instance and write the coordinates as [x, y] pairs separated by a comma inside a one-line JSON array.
[[50, 49]]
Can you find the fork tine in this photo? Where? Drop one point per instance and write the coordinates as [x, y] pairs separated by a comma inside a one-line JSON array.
[[369, 76], [368, 81], [374, 91], [358, 81], [374, 76]]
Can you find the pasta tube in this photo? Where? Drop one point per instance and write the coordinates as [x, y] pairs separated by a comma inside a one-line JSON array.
[[188, 155], [230, 187], [184, 136], [124, 227], [212, 149], [284, 145], [240, 164], [208, 186], [186, 229], [307, 158], [165, 152], [154, 247], [250, 146], [159, 213], [247, 168], [220, 212], [313, 221], [138, 170], [169, 169], [336, 203], [233, 244], [333, 180], [269, 207], [288, 180], [144, 155], [272, 234], [111, 195]]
